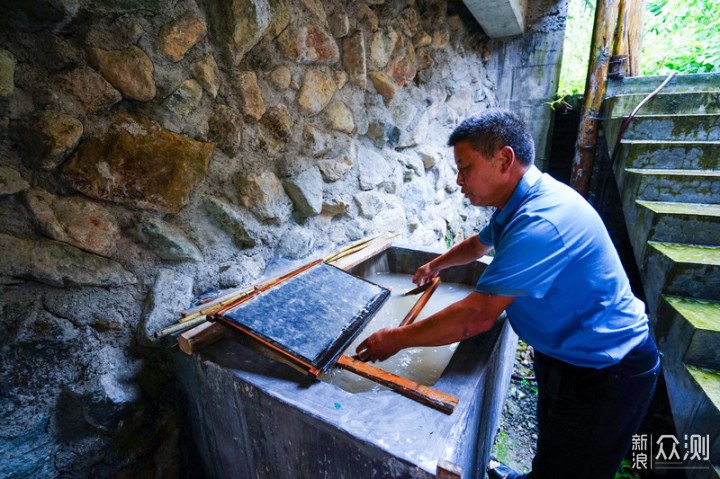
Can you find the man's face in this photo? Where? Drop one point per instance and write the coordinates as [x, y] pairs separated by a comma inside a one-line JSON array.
[[479, 177]]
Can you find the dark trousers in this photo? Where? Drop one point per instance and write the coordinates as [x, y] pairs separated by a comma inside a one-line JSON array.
[[587, 417]]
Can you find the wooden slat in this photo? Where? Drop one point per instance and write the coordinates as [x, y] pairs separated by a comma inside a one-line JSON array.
[[413, 313], [373, 248], [200, 336], [417, 392], [448, 470]]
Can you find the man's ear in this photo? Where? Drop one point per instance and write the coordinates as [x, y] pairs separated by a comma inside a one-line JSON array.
[[506, 156]]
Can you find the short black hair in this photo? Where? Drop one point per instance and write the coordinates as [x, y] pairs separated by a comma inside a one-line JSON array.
[[493, 129]]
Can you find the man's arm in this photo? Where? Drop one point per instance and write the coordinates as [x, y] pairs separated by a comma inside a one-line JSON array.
[[469, 250], [464, 319]]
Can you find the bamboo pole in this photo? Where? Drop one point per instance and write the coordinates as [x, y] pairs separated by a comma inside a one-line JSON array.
[[413, 313], [603, 32], [619, 64], [635, 10]]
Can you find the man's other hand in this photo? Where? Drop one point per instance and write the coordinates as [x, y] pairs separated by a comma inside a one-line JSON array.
[[424, 274], [378, 346]]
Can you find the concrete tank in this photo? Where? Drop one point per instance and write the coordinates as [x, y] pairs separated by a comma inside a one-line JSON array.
[[252, 416]]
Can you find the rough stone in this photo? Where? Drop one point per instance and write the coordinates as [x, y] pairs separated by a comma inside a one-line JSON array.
[[384, 85], [367, 17], [424, 61], [422, 39], [403, 114], [264, 196], [340, 79], [382, 47], [129, 70], [76, 221], [306, 191], [316, 92], [280, 19], [402, 69], [428, 154], [418, 134], [58, 264], [11, 181], [165, 240], [334, 169], [252, 100], [137, 163], [335, 205], [390, 219], [296, 243], [232, 221], [354, 59], [50, 136], [362, 122], [185, 99], [339, 23], [225, 129], [461, 101], [171, 293], [89, 87], [205, 71], [178, 36], [7, 73], [317, 9], [370, 203], [239, 24], [308, 44], [409, 22], [316, 142], [339, 117], [280, 78], [383, 133], [372, 168], [278, 121], [440, 39]]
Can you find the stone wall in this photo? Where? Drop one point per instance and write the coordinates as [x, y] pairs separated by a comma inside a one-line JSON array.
[[155, 149]]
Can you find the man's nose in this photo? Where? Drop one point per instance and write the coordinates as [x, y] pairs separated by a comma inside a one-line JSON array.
[[460, 181]]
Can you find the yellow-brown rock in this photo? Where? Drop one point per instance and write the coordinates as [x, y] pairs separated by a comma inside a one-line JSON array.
[[50, 136], [384, 85], [140, 164], [354, 59], [278, 121], [89, 87], [252, 100], [129, 70], [316, 92], [367, 17], [177, 37], [226, 127], [205, 71]]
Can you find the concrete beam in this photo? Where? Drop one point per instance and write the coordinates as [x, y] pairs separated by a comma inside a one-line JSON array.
[[499, 18]]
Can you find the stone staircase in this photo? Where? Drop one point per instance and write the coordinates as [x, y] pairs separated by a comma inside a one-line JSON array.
[[668, 174]]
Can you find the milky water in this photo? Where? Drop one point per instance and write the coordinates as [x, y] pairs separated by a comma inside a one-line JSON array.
[[422, 365]]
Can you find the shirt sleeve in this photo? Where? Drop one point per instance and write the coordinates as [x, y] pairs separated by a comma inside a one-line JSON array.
[[485, 235], [528, 258]]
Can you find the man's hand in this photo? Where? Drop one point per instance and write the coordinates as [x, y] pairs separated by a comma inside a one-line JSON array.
[[424, 274], [378, 346]]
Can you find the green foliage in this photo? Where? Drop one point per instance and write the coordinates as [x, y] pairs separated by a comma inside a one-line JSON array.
[[682, 36], [678, 35], [503, 443], [626, 471]]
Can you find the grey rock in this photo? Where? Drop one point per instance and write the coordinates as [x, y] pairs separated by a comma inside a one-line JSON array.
[[226, 128], [373, 169], [11, 181], [403, 113], [75, 220], [428, 154], [58, 264], [383, 133], [316, 142], [391, 219], [184, 99], [165, 240], [171, 294], [239, 24], [361, 122], [264, 196], [306, 191], [370, 203], [334, 169], [232, 221], [296, 243]]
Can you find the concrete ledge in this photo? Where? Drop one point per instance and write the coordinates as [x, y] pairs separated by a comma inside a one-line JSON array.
[[499, 18]]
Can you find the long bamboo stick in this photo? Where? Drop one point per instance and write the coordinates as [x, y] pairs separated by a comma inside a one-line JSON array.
[[420, 304]]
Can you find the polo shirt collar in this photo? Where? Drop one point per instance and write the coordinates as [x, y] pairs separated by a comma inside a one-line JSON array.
[[524, 185]]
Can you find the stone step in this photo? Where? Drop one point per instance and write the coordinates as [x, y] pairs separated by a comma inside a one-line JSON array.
[[655, 184], [690, 330], [697, 102], [706, 419], [648, 84], [691, 155], [688, 127], [670, 222], [680, 270]]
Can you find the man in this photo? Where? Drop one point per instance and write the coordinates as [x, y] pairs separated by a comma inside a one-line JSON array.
[[559, 278]]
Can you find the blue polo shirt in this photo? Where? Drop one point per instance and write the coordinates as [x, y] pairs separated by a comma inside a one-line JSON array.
[[552, 251]]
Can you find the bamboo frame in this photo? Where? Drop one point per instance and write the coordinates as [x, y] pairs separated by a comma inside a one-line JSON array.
[[420, 304]]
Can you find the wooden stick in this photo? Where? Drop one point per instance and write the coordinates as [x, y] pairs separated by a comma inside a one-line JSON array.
[[410, 318], [417, 392], [179, 327], [201, 336]]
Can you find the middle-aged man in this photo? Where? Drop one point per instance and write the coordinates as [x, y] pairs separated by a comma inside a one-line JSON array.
[[559, 278]]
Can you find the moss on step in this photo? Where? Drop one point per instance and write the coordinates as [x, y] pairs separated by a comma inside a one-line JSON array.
[[672, 208], [683, 253], [701, 314], [673, 172], [709, 382]]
